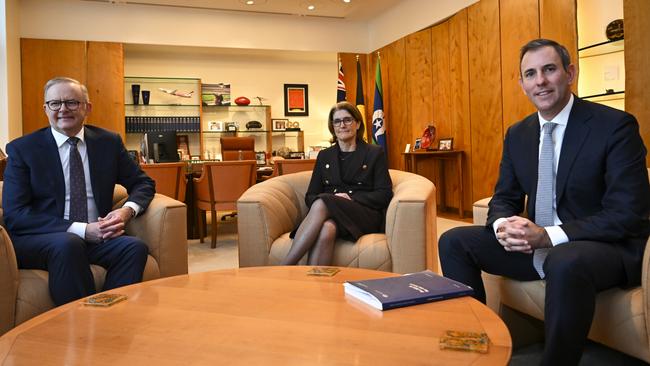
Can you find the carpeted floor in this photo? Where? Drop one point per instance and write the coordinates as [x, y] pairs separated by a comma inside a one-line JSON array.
[[202, 258]]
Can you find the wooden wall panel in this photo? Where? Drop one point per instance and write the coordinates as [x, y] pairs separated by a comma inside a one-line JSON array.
[[398, 130], [105, 82], [42, 60], [557, 21], [637, 57], [522, 15], [459, 98], [442, 110], [485, 95], [418, 80]]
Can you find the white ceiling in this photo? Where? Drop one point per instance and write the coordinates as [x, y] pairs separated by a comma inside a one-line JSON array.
[[357, 10]]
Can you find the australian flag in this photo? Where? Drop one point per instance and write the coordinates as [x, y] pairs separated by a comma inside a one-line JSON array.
[[340, 85]]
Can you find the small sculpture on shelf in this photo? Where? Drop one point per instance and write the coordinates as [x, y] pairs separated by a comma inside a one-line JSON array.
[[177, 92], [260, 99], [428, 137]]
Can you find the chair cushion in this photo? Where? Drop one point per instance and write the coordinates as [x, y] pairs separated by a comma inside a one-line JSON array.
[[34, 294], [370, 251], [619, 321]]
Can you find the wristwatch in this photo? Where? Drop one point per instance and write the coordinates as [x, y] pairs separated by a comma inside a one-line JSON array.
[[132, 211]]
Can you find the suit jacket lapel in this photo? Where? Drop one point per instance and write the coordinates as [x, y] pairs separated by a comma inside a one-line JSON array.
[[575, 135], [49, 152]]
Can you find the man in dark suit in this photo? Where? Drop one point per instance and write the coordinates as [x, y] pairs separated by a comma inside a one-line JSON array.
[[588, 212], [57, 197]]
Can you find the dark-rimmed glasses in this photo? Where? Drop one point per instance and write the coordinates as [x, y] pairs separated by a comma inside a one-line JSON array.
[[55, 105], [345, 120]]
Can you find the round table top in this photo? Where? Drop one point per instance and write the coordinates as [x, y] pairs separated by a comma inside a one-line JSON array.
[[253, 316]]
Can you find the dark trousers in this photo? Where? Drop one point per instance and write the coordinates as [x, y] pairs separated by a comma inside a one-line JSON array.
[[575, 273], [67, 259]]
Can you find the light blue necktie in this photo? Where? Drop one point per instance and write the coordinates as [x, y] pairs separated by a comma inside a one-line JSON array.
[[544, 198]]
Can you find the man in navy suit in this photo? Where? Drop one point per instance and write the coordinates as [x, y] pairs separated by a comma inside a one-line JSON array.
[[57, 197], [598, 205]]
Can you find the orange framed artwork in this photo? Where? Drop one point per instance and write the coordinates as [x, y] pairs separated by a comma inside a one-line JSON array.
[[296, 100]]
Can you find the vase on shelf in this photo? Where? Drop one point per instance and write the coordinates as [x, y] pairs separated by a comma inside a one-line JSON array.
[[145, 97], [135, 91]]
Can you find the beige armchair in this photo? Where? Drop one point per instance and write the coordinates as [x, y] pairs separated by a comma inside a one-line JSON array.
[[621, 320], [25, 294], [268, 211]]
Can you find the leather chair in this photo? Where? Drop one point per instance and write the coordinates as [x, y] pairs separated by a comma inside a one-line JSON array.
[[218, 188], [621, 319], [269, 211], [289, 166], [232, 146], [24, 293], [169, 177]]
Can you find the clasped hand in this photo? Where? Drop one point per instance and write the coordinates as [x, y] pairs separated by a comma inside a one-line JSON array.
[[108, 227], [518, 234]]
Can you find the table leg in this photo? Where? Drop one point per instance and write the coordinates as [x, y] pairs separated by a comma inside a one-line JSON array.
[[461, 206]]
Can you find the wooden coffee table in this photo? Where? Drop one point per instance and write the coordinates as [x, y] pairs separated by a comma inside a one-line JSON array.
[[252, 316]]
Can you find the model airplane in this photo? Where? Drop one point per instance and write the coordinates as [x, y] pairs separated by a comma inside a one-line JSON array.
[[177, 93]]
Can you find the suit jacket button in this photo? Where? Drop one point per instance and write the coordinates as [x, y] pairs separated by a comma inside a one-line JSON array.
[[350, 192], [334, 190], [359, 183], [364, 166], [327, 182], [327, 166]]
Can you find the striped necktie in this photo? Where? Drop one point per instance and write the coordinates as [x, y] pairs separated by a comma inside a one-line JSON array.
[[544, 198], [78, 198]]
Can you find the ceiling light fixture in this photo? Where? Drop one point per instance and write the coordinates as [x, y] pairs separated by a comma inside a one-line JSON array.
[[311, 7], [250, 2], [346, 1]]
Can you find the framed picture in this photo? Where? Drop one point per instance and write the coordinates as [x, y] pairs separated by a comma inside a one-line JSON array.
[[183, 145], [417, 145], [296, 100], [260, 156], [279, 124], [446, 144], [215, 126]]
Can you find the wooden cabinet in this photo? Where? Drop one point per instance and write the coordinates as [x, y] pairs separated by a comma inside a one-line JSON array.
[[98, 65]]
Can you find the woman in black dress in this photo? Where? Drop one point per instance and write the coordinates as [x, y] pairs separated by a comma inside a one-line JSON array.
[[349, 191]]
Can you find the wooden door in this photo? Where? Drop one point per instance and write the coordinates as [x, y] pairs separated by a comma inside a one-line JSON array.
[[41, 60]]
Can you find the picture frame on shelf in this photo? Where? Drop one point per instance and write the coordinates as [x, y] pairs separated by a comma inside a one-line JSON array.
[[279, 124], [446, 144], [417, 144], [260, 157], [215, 126], [183, 146], [296, 100]]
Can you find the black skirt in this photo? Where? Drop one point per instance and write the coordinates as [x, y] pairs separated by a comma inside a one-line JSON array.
[[352, 219]]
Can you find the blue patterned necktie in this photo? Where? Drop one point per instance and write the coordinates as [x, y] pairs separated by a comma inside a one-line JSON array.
[[544, 198], [78, 198]]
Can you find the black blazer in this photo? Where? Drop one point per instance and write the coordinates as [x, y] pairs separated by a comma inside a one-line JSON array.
[[602, 189], [33, 194], [366, 182]]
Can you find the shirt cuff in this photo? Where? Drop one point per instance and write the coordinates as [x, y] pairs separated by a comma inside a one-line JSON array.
[[79, 229], [134, 206], [496, 224], [557, 235]]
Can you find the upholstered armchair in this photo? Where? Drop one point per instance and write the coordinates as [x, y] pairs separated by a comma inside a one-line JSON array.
[[24, 293], [621, 320], [269, 211]]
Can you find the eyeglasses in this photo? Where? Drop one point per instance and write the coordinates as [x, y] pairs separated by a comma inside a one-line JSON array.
[[345, 120], [55, 105]]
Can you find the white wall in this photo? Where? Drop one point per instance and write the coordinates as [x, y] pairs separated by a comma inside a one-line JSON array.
[[410, 16], [251, 73]]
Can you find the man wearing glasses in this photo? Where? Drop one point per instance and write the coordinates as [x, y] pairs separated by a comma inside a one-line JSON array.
[[57, 197]]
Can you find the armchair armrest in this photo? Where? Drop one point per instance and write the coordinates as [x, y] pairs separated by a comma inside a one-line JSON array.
[[163, 227], [411, 223], [266, 211], [480, 210], [8, 282]]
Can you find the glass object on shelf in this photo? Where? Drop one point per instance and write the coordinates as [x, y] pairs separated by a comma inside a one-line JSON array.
[[602, 48], [163, 91]]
